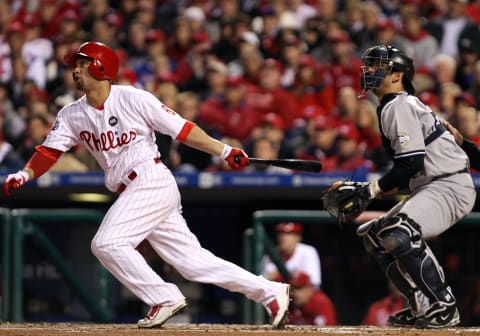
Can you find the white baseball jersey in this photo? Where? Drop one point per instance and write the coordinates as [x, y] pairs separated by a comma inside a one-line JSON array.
[[305, 258], [119, 136]]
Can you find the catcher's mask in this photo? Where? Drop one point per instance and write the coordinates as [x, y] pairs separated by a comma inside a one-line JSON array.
[[381, 60]]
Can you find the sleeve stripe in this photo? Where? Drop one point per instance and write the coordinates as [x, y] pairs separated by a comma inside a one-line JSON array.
[[186, 129], [409, 154]]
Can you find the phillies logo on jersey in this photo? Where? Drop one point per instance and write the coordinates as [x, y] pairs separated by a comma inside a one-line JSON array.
[[107, 140]]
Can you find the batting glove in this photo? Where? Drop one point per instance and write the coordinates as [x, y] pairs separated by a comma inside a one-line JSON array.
[[235, 157], [15, 181]]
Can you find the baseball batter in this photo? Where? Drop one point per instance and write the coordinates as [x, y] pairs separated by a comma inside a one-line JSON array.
[[116, 124], [435, 169]]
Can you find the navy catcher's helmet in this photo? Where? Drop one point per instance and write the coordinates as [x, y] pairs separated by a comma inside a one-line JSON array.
[[386, 59]]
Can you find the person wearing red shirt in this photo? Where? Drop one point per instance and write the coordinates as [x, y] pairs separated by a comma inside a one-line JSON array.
[[379, 311], [229, 115], [309, 89], [310, 305], [343, 67], [270, 96], [349, 156]]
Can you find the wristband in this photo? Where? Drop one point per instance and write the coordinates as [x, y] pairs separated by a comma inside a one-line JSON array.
[[226, 150], [24, 174]]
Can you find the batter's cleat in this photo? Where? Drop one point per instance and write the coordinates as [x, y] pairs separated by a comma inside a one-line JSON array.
[[278, 307], [158, 315], [440, 315], [403, 318]]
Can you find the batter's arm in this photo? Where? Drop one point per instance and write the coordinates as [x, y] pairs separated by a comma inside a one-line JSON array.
[[199, 139], [39, 163]]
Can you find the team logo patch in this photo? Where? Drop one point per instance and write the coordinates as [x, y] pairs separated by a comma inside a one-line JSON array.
[[55, 125], [112, 121], [403, 139]]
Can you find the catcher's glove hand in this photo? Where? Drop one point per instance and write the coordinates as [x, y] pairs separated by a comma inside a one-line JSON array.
[[346, 200]]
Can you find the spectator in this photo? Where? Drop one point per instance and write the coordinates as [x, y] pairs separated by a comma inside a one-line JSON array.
[[13, 125], [467, 123], [322, 143], [475, 87], [71, 27], [314, 36], [347, 104], [228, 114], [271, 126], [9, 158], [296, 255], [387, 34], [310, 305], [252, 63], [349, 156], [106, 29], [454, 26], [291, 54], [302, 11], [36, 51], [448, 92], [136, 44], [366, 36], [265, 148], [226, 47], [310, 90], [379, 311], [270, 96], [366, 122], [467, 57], [420, 45], [343, 67], [182, 157]]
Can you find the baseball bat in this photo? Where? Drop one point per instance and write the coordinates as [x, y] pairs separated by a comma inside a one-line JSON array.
[[295, 164]]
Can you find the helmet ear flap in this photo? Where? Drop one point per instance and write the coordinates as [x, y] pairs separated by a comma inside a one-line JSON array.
[[96, 69]]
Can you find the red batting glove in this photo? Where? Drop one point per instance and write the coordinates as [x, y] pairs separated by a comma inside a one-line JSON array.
[[15, 181], [235, 157]]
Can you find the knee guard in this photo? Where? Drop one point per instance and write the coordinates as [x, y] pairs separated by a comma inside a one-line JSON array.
[[401, 237]]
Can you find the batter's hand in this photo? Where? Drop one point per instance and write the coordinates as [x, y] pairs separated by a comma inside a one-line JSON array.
[[15, 181], [236, 158]]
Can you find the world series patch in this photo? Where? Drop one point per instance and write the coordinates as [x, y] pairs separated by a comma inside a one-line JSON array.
[[403, 139]]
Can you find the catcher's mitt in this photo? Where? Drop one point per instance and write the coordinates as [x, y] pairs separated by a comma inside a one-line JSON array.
[[346, 200]]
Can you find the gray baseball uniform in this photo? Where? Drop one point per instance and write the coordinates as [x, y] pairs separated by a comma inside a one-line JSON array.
[[443, 192]]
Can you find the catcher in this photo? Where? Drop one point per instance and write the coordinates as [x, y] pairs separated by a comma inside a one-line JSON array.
[[428, 162]]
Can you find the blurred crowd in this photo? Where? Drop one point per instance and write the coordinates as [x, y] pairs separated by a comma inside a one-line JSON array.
[[280, 78]]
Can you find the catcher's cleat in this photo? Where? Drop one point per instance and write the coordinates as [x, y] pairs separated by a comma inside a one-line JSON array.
[[439, 315], [158, 315], [404, 318], [278, 307]]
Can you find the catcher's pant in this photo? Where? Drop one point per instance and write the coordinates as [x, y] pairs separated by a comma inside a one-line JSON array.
[[150, 208], [439, 204]]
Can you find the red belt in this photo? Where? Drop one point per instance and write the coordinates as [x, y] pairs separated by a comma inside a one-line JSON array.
[[132, 176]]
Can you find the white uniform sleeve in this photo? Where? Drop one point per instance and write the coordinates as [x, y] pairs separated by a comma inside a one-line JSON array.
[[60, 136], [159, 116]]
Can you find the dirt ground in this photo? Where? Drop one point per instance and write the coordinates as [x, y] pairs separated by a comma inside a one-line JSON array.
[[70, 329]]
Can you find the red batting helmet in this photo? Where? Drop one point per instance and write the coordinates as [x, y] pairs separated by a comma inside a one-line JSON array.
[[104, 63]]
